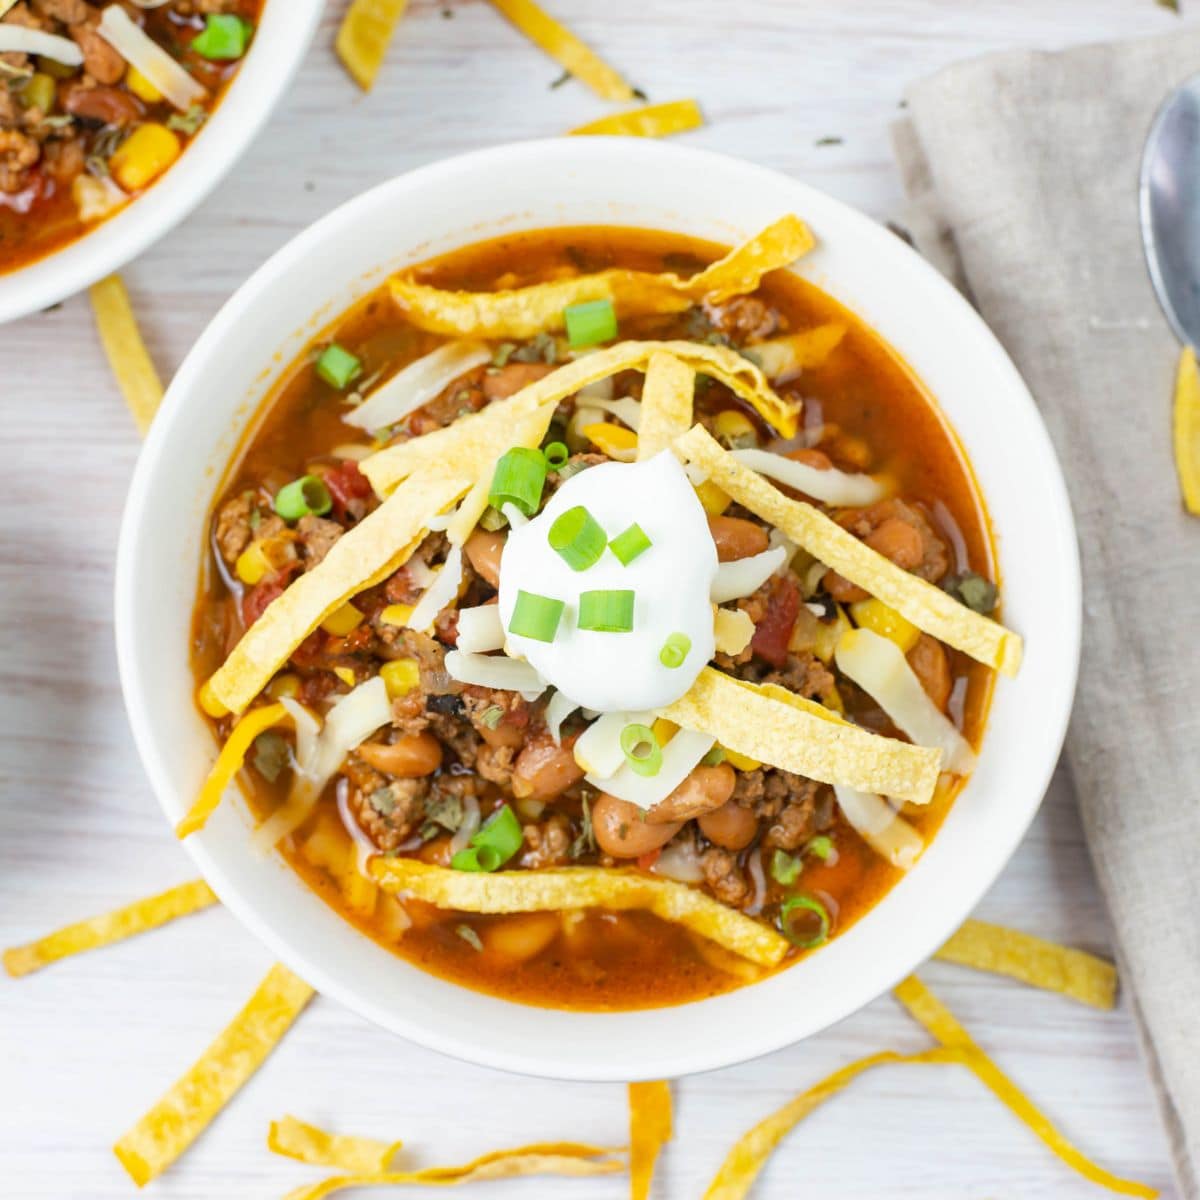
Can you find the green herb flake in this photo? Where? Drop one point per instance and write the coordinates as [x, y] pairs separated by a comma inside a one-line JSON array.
[[565, 77], [819, 847], [829, 141], [585, 841], [444, 810], [383, 801], [978, 594], [271, 755], [469, 936], [188, 122], [503, 353], [491, 716]]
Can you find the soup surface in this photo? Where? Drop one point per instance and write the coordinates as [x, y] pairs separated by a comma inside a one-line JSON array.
[[456, 754]]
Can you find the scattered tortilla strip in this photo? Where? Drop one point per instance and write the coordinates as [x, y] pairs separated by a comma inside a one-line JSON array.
[[109, 927], [666, 403], [363, 37], [558, 888], [171, 1126], [550, 1158], [566, 49], [926, 1008], [297, 1139], [759, 724], [751, 1151], [360, 558], [926, 606], [649, 1129], [1186, 429], [651, 120], [127, 354], [1043, 964]]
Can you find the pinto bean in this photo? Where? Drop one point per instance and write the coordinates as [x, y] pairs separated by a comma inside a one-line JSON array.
[[730, 826], [544, 769], [899, 541], [512, 377], [736, 538], [622, 831], [408, 757], [705, 789], [109, 105], [100, 60], [928, 661], [483, 553]]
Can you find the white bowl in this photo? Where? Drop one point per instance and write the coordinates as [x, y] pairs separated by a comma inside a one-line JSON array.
[[624, 182], [279, 45]]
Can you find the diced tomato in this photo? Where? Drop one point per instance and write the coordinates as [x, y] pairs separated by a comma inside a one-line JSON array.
[[646, 861], [256, 599], [772, 633], [346, 483], [310, 654], [445, 626]]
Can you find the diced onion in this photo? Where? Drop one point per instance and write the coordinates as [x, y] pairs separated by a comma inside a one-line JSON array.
[[144, 54], [442, 592], [495, 671], [627, 409], [744, 576], [679, 756], [417, 384], [34, 41], [879, 667], [778, 538], [830, 485], [598, 748], [680, 861], [880, 826], [307, 728], [558, 709], [758, 878], [467, 830], [480, 629]]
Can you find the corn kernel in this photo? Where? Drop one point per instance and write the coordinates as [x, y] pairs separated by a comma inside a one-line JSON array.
[[286, 686], [731, 424], [829, 633], [252, 564], [342, 620], [396, 614], [664, 730], [712, 499], [742, 762], [143, 156], [887, 622], [400, 676], [141, 87], [208, 701], [614, 440], [345, 675], [834, 700]]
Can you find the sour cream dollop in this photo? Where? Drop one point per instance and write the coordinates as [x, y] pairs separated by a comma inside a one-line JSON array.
[[671, 581]]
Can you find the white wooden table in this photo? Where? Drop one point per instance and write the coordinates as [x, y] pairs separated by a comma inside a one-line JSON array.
[[87, 1045]]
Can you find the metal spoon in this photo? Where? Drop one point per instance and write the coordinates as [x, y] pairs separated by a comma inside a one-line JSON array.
[[1169, 200]]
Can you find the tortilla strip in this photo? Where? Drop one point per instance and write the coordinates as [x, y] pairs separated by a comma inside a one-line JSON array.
[[649, 1130], [761, 725], [926, 606], [752, 1150], [186, 1110], [297, 1139], [566, 49], [651, 120], [127, 354], [742, 269], [360, 558], [1043, 964], [549, 1158], [363, 37], [109, 927], [666, 403], [926, 1008], [557, 888]]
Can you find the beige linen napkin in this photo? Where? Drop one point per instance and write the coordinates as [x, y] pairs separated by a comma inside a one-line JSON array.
[[1022, 170]]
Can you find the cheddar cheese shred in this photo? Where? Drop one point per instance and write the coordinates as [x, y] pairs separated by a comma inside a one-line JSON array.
[[186, 1110], [126, 352], [793, 735], [927, 1009], [307, 1143], [1073, 973], [926, 606], [649, 1130], [666, 403], [554, 888], [651, 120], [363, 37], [109, 927]]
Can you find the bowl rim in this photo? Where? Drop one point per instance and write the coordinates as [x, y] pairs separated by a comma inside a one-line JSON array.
[[248, 102], [673, 1062]]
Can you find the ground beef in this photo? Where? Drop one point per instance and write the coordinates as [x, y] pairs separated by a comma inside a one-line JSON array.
[[233, 531], [806, 813], [495, 764], [806, 675], [402, 587], [867, 524], [575, 464], [317, 536], [547, 843], [100, 61], [504, 728], [744, 318], [724, 877], [190, 8], [455, 734], [69, 12], [387, 811], [18, 153]]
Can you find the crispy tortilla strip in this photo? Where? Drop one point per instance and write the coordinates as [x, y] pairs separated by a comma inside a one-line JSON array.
[[127, 354], [552, 889], [1022, 956], [926, 606], [1186, 429], [651, 120], [549, 1158], [926, 1008], [362, 39], [566, 49], [742, 269], [760, 724], [666, 403], [300, 1140], [360, 558], [171, 1126], [649, 1130], [751, 1151], [109, 927]]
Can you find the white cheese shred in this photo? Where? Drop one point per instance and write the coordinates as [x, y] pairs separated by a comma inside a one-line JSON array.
[[142, 52], [828, 485], [744, 576]]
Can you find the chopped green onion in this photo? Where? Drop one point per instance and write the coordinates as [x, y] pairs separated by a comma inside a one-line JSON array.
[[607, 611], [819, 847], [628, 545], [591, 322], [519, 479], [495, 842], [223, 38], [338, 367], [641, 749], [714, 758], [578, 538], [785, 867], [302, 497], [556, 455], [804, 904], [535, 616], [491, 715], [675, 650]]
